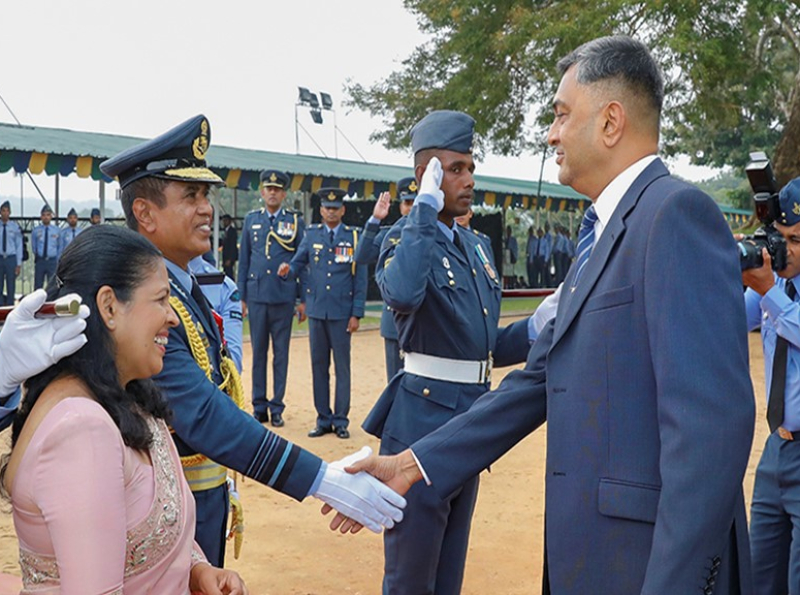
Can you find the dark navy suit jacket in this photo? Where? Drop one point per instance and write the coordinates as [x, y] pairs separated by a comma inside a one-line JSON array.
[[643, 379]]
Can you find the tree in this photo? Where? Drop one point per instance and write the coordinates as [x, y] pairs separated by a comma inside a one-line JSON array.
[[732, 70]]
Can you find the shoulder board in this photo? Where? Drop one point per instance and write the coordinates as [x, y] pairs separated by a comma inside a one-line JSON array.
[[348, 228], [292, 211], [254, 211], [315, 226]]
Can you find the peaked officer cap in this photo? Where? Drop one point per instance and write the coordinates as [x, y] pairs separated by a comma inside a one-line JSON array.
[[331, 197], [178, 154], [273, 177], [407, 188]]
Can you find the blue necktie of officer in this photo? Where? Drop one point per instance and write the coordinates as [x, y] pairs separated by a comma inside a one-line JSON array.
[[4, 239], [585, 241], [330, 235], [777, 389], [46, 236]]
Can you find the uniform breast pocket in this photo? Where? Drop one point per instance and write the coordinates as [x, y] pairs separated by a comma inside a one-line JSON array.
[[420, 406], [610, 299]]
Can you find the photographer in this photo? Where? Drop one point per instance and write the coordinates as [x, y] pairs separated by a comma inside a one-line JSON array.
[[771, 303]]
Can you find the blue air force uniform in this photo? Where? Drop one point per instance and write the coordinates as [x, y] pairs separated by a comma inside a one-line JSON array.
[[334, 291], [10, 256], [446, 306], [267, 241], [210, 430], [45, 242], [68, 234], [369, 247]]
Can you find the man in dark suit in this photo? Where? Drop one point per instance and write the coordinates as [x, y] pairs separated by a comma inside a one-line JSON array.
[[230, 246], [642, 376]]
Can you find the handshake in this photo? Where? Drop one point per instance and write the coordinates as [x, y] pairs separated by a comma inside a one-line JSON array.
[[353, 487]]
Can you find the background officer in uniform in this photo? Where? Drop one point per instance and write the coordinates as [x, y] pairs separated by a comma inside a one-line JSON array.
[[45, 239], [94, 217], [369, 247], [270, 237], [165, 185], [230, 246], [771, 303], [441, 284], [70, 232], [223, 295], [10, 255], [335, 291]]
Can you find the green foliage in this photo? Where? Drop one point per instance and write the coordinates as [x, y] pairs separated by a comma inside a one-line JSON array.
[[729, 187], [730, 67]]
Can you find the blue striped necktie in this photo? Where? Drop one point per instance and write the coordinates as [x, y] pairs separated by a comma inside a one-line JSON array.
[[585, 242]]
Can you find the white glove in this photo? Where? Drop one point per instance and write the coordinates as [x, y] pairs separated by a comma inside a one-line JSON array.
[[361, 497], [30, 345], [431, 182]]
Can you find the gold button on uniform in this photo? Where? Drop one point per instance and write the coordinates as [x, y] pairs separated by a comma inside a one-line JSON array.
[[426, 392], [327, 287], [485, 312], [452, 282]]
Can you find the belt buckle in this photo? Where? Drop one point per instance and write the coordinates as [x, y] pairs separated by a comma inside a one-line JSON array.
[[785, 434]]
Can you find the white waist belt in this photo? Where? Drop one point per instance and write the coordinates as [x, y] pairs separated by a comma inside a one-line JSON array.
[[449, 370]]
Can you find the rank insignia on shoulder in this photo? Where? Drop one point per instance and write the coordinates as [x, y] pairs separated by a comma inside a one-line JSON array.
[[394, 241]]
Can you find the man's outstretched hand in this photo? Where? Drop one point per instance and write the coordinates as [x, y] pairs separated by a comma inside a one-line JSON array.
[[399, 472]]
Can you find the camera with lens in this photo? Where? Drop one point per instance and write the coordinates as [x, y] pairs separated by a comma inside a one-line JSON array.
[[767, 206]]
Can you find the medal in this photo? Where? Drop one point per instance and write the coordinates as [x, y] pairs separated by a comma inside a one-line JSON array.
[[445, 262]]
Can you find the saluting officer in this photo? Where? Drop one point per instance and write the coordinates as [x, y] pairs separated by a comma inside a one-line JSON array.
[[369, 247], [70, 232], [45, 243], [165, 184], [335, 291], [270, 237], [442, 285], [11, 255]]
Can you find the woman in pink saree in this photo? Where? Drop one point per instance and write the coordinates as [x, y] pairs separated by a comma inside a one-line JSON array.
[[99, 499]]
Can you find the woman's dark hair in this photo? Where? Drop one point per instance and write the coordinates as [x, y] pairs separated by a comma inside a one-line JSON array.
[[121, 259]]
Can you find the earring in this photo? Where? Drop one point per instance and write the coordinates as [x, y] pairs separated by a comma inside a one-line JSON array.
[[111, 322]]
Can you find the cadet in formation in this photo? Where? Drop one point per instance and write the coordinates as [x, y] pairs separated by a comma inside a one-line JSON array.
[[70, 232], [165, 186], [11, 255], [369, 247], [335, 291], [45, 241], [270, 238]]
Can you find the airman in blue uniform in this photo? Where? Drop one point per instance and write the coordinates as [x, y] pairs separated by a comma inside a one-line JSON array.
[[369, 247], [165, 184], [10, 255], [270, 237], [334, 291], [445, 293], [45, 241], [70, 232], [223, 295], [94, 217]]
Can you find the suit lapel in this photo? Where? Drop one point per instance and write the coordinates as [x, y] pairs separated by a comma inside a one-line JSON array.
[[572, 301]]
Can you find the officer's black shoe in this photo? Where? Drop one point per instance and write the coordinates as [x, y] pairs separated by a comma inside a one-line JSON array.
[[320, 431], [277, 420], [261, 417], [342, 433]]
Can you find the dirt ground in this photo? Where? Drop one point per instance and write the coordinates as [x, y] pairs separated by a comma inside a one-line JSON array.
[[288, 549]]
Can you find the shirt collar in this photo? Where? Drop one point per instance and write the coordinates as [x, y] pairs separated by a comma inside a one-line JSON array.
[[611, 195], [447, 231], [268, 214], [183, 277], [335, 230]]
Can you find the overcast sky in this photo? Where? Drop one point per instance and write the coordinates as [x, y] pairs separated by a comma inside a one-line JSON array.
[[138, 68]]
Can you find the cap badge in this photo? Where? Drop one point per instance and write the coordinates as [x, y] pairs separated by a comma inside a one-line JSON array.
[[200, 144], [796, 209], [273, 177], [332, 196], [413, 186]]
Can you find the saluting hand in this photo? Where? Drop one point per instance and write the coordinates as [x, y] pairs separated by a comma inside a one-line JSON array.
[[381, 209], [431, 182]]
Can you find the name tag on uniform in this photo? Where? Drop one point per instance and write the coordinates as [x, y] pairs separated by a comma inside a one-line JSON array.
[[256, 226], [317, 246], [343, 253]]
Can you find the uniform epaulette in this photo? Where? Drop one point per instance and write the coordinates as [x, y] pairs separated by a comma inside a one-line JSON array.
[[315, 226]]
